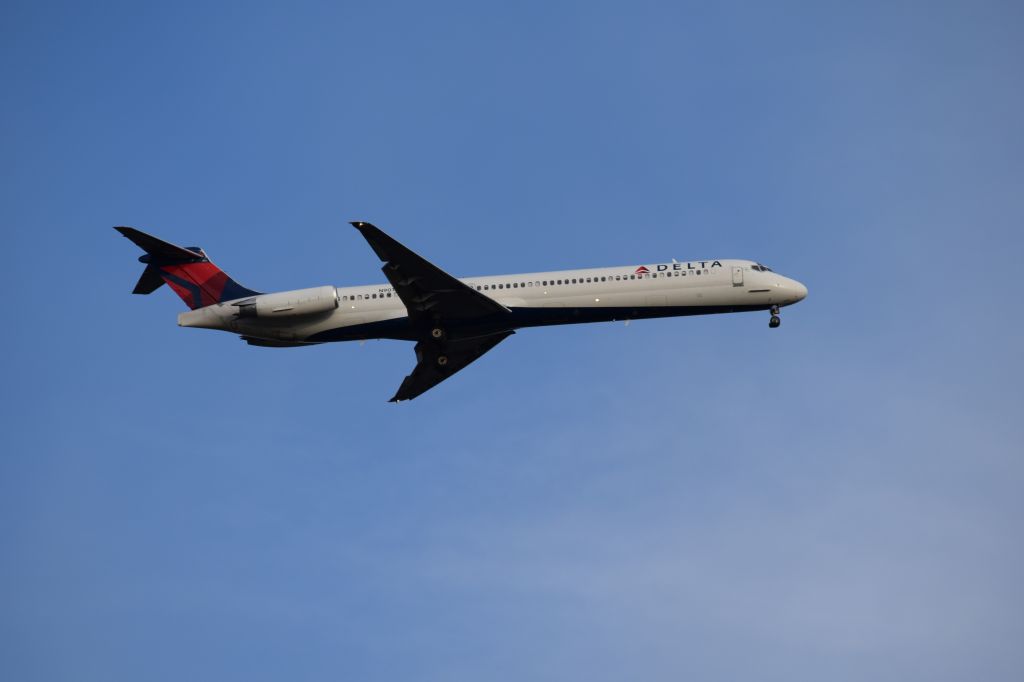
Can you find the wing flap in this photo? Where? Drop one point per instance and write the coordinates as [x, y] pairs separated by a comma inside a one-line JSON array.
[[428, 292], [435, 362]]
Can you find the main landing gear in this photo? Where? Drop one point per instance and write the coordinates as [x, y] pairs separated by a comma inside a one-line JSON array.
[[776, 320]]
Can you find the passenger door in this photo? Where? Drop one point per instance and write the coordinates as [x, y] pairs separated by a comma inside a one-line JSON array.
[[737, 277]]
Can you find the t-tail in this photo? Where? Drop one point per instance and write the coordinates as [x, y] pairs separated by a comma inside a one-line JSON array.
[[186, 270]]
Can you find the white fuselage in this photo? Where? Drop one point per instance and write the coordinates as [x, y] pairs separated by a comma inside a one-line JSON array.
[[537, 299]]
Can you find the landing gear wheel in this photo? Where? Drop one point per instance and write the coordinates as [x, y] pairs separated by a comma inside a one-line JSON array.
[[775, 310], [774, 322], [437, 333], [442, 360]]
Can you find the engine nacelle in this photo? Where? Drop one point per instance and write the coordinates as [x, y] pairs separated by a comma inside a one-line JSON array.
[[290, 303]]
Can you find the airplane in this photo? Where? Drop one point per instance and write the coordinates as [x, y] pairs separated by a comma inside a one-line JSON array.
[[452, 320]]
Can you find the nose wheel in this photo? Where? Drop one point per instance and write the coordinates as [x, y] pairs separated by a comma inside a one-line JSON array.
[[775, 320]]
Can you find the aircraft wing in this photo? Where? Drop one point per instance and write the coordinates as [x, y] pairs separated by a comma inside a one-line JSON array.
[[428, 292], [435, 362]]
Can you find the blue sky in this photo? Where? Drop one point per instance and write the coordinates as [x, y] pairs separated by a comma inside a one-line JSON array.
[[838, 498]]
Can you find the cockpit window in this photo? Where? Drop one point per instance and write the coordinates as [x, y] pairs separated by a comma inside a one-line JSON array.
[[760, 268]]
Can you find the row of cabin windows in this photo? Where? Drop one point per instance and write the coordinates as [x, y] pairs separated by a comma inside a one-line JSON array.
[[553, 282], [366, 297], [585, 280]]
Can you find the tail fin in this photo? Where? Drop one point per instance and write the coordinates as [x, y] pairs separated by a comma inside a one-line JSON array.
[[186, 270]]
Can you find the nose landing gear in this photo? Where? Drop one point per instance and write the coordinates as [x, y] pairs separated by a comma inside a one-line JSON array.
[[775, 321]]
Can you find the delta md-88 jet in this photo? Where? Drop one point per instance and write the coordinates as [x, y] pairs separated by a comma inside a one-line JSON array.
[[453, 321]]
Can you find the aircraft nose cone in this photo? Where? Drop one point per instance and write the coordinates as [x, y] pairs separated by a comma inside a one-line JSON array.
[[791, 291], [799, 291]]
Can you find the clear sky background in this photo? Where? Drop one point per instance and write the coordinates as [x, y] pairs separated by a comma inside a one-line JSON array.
[[697, 498]]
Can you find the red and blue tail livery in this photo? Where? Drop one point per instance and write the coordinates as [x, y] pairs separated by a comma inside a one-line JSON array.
[[186, 270], [453, 321]]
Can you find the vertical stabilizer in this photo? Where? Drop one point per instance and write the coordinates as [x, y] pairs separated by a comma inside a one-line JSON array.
[[187, 271]]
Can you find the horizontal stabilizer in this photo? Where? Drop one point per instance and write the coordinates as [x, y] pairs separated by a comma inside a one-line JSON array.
[[150, 281], [158, 247]]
